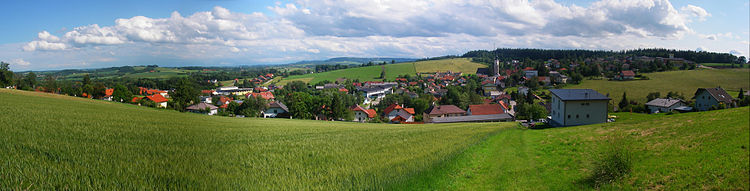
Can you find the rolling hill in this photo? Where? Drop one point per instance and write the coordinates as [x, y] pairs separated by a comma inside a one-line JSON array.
[[683, 81], [59, 142], [372, 73]]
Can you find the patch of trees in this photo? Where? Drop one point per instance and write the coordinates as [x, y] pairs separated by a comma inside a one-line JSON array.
[[484, 56]]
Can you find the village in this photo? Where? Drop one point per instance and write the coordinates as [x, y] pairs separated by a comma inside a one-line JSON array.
[[505, 91]]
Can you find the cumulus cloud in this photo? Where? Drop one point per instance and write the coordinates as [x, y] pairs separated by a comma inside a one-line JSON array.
[[20, 62], [309, 29]]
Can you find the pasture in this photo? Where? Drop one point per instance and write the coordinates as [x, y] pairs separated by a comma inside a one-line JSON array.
[[682, 81], [59, 142], [372, 73]]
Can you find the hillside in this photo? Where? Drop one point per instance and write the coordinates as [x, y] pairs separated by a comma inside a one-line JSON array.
[[59, 142], [371, 73], [690, 151], [348, 61], [683, 81]]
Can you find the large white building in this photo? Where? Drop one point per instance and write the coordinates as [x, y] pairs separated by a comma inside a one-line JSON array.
[[571, 107]]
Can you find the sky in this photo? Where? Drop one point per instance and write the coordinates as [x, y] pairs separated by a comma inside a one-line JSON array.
[[52, 35]]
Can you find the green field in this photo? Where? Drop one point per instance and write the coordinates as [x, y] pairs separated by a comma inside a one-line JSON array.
[[691, 151], [58, 142], [161, 73], [372, 73], [725, 65], [683, 81]]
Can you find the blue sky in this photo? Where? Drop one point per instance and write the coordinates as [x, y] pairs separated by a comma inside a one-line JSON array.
[[45, 35]]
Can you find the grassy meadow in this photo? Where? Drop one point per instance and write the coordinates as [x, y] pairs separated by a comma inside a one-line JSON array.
[[60, 142], [372, 73], [683, 81], [690, 151], [725, 65]]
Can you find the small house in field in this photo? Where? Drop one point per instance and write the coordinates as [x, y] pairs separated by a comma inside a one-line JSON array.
[[571, 107], [398, 113], [276, 109], [626, 75], [159, 100], [708, 98], [363, 115], [438, 111], [661, 105], [203, 108]]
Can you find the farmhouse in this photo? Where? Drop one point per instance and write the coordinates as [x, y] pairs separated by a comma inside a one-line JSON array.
[[661, 105], [438, 111], [264, 95], [159, 100], [706, 98], [276, 109], [203, 108], [398, 114], [361, 114], [530, 72], [578, 107]]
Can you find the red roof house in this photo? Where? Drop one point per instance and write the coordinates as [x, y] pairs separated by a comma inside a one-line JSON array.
[[485, 109]]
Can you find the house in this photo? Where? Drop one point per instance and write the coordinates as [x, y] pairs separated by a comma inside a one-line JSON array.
[[626, 75], [544, 80], [264, 95], [489, 87], [159, 100], [485, 109], [376, 92], [660, 105], [276, 109], [577, 107], [530, 72], [706, 98], [205, 99], [397, 113], [203, 108], [363, 115], [438, 111], [108, 94]]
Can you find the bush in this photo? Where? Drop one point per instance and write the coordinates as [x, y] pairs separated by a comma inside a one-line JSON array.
[[613, 164]]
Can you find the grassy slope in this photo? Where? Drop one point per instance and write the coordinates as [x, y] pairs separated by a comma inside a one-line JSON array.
[[685, 81], [53, 142], [371, 73], [691, 151], [724, 65]]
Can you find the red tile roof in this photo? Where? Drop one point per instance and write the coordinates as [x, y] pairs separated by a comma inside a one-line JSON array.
[[486, 109], [264, 95], [370, 112], [505, 106], [391, 108], [224, 100], [207, 91], [528, 69], [628, 73], [444, 109], [108, 92], [343, 90], [409, 110], [136, 99], [157, 98]]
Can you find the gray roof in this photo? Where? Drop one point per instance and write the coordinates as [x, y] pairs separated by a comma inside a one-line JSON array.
[[201, 106], [661, 102], [278, 105], [717, 93], [473, 118], [578, 94]]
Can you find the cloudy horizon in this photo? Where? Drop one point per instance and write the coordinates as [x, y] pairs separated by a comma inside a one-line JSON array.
[[229, 33]]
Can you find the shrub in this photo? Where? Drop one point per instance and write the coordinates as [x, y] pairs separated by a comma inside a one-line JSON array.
[[613, 164]]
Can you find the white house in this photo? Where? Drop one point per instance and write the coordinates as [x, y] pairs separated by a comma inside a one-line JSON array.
[[661, 105], [705, 98], [361, 114], [276, 109], [203, 108], [397, 113], [578, 107], [206, 99]]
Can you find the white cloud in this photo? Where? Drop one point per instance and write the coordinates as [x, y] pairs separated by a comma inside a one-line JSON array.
[[309, 29], [20, 62]]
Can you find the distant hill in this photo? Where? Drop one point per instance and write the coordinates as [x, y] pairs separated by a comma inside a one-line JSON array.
[[350, 61]]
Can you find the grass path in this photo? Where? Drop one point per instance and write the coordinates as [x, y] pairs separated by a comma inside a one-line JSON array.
[[675, 152]]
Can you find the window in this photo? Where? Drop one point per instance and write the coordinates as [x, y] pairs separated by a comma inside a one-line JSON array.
[[587, 115], [576, 116], [568, 116]]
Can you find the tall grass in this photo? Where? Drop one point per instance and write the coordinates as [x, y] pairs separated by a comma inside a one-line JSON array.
[[57, 142]]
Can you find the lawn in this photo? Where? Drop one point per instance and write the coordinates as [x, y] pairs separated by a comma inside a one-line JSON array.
[[691, 151], [51, 142], [683, 81], [372, 73]]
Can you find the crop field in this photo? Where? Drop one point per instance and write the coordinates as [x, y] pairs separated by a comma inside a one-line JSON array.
[[684, 81], [689, 151], [58, 142], [372, 73]]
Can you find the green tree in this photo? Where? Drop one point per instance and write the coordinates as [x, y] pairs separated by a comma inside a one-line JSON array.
[[624, 102], [300, 105], [50, 84], [742, 94], [86, 80], [6, 76], [99, 90], [185, 93], [121, 93], [30, 80]]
